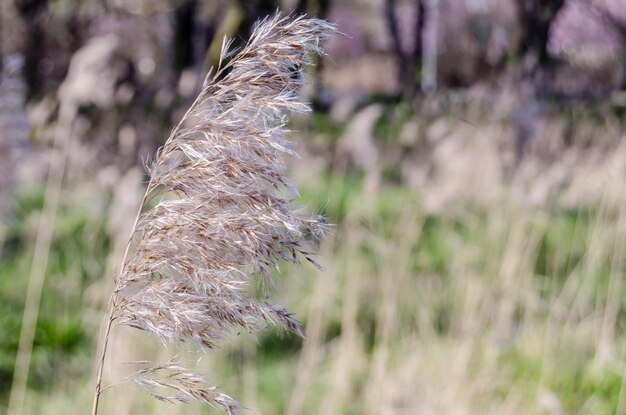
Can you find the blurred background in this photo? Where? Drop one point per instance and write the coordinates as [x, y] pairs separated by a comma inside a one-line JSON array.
[[471, 154]]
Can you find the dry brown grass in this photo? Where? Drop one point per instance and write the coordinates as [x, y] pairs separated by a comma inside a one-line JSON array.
[[225, 215], [501, 307], [466, 292]]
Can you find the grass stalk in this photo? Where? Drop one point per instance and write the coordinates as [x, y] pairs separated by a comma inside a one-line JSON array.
[[41, 254], [109, 317], [224, 224]]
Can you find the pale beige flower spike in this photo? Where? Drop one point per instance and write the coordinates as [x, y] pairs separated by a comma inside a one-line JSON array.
[[227, 217]]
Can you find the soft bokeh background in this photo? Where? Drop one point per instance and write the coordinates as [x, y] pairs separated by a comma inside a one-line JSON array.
[[471, 153]]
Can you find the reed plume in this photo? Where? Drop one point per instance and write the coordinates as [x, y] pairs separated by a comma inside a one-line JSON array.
[[225, 215]]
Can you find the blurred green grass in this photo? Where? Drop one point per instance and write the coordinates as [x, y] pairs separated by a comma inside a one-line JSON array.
[[485, 309]]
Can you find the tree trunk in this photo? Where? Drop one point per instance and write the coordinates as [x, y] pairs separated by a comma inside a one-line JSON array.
[[409, 64], [431, 47], [405, 80], [536, 17]]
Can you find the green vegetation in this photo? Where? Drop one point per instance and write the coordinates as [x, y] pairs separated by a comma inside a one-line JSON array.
[[499, 307], [62, 344]]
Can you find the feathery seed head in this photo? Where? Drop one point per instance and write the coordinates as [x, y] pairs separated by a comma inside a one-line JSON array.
[[230, 216]]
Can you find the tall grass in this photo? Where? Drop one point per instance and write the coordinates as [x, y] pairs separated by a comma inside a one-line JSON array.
[[41, 255], [226, 216], [495, 305], [486, 309], [499, 309]]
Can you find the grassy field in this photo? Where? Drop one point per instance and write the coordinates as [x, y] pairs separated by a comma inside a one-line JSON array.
[[492, 308]]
